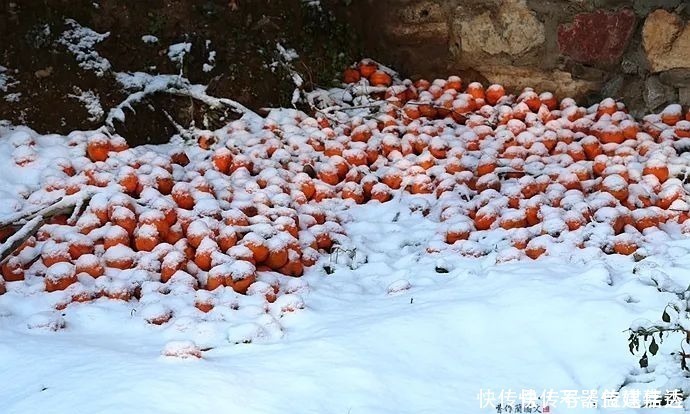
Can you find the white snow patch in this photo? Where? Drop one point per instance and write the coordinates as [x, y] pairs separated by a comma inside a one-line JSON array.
[[91, 102], [149, 39], [80, 41]]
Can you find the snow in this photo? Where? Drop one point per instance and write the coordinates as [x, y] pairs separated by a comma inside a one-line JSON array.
[[430, 347], [6, 80], [149, 39], [80, 41], [91, 102], [390, 319], [177, 51]]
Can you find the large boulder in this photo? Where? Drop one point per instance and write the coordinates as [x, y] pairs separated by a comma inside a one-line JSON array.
[[666, 41], [559, 82], [597, 37], [513, 29]]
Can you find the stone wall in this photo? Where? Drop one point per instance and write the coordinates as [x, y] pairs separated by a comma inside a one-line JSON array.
[[636, 50]]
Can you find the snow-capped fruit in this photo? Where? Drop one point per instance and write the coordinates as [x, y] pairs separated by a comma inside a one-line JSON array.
[[277, 254], [494, 93], [534, 252], [624, 244], [204, 301], [53, 252], [59, 276], [172, 262], [615, 185], [97, 147], [485, 218], [182, 195], [367, 67], [156, 313], [12, 269], [181, 349], [146, 238], [222, 160], [287, 303], [260, 288], [257, 245], [215, 279], [672, 114], [89, 264], [124, 217], [203, 256], [380, 78], [610, 134], [119, 257], [294, 266], [658, 168], [351, 75]]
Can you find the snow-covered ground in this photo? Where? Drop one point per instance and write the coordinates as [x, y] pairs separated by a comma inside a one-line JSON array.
[[553, 324]]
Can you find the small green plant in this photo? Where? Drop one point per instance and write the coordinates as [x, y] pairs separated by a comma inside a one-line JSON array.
[[653, 333]]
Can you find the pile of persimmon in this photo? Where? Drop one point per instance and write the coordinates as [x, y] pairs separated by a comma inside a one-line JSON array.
[[501, 164], [520, 174], [221, 218]]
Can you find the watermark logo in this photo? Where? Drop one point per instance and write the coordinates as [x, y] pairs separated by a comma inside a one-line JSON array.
[[532, 401]]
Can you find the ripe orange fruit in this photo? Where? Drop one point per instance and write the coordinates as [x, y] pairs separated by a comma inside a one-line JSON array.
[[494, 93], [616, 185], [380, 78], [624, 244], [12, 270], [124, 217], [657, 168], [78, 244], [146, 238], [90, 264], [53, 253], [59, 276], [351, 75], [115, 235], [257, 245], [97, 147], [222, 159], [367, 67]]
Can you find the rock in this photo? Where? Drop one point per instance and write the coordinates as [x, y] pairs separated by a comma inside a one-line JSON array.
[[559, 82], [675, 77], [597, 37], [629, 67], [422, 33], [684, 96], [513, 30], [418, 22], [420, 12], [644, 7], [657, 94], [631, 93], [613, 86], [666, 41]]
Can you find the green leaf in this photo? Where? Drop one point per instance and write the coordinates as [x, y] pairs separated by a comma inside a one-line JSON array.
[[653, 347], [644, 362], [632, 348], [666, 317]]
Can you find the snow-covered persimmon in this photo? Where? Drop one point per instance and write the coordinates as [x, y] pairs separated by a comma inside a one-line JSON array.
[[380, 78], [97, 147], [351, 75], [59, 276]]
